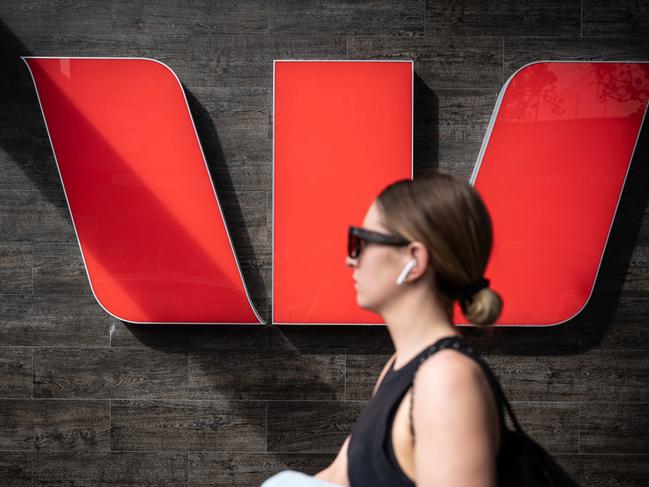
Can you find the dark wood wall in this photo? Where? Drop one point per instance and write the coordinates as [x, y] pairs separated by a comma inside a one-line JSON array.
[[89, 400]]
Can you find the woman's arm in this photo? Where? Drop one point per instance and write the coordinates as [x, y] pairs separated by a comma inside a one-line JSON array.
[[456, 423], [337, 471]]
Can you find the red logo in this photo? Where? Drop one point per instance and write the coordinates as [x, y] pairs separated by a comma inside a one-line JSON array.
[[155, 243]]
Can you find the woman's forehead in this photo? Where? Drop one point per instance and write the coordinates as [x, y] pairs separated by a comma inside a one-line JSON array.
[[372, 218]]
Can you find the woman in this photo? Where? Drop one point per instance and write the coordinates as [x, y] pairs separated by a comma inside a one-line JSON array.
[[423, 244]]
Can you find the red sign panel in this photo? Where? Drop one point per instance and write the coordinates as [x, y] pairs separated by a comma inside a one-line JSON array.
[[144, 209], [551, 171], [343, 131]]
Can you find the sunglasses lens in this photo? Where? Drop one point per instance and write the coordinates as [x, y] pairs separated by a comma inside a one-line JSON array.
[[353, 246]]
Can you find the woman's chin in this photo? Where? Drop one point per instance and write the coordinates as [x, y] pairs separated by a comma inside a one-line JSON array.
[[362, 303]]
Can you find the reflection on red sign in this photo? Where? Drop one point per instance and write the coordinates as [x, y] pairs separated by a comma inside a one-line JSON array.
[[154, 241]]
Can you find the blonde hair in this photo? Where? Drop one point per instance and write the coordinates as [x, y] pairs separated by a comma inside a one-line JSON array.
[[448, 216]]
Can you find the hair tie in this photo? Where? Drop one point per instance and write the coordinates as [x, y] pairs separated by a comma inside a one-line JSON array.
[[468, 291]]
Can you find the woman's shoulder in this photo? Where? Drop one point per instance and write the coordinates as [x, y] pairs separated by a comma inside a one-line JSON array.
[[453, 401], [450, 371]]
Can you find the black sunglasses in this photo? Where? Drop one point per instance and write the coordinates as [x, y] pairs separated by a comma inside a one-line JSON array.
[[358, 235]]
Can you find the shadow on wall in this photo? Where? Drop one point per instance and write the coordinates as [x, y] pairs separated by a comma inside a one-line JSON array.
[[20, 120], [426, 129], [223, 185]]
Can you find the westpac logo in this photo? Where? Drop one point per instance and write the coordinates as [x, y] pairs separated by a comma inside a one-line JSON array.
[[155, 242]]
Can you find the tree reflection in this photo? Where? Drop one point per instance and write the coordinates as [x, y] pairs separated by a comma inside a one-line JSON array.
[[533, 89], [623, 83], [543, 90]]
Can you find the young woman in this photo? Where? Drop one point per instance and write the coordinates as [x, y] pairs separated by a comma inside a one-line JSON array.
[[423, 245]]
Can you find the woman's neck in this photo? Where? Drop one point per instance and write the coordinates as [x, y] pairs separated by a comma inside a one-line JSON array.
[[415, 322]]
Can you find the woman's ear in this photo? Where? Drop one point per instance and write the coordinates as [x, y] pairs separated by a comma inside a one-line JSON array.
[[418, 251]]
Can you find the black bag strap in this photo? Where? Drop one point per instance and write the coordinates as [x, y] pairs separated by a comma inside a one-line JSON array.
[[457, 343]]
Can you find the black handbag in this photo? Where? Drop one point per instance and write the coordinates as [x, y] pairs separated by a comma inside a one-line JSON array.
[[521, 461]]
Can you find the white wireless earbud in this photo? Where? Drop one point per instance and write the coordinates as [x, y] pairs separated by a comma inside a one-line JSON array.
[[406, 270]]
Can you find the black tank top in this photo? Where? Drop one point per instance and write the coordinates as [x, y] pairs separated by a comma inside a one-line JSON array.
[[371, 460]]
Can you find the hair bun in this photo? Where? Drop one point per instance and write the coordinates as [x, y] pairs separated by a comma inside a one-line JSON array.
[[483, 308]]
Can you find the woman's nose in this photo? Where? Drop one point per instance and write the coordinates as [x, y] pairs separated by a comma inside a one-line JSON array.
[[349, 262]]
